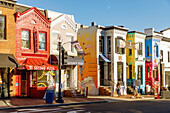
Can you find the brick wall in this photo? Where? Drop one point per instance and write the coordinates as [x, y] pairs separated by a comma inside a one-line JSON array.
[[8, 45]]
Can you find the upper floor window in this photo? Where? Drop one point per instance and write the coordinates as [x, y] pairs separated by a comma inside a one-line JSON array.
[[140, 48], [101, 44], [42, 41], [118, 44], [25, 38], [155, 50], [109, 44], [147, 50], [130, 52], [168, 56], [161, 55], [2, 27], [72, 48]]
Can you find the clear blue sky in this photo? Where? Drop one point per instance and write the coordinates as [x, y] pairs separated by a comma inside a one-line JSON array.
[[133, 14]]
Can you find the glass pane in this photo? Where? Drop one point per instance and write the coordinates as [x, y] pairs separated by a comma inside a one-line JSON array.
[[2, 26], [25, 39], [33, 78], [3, 83], [46, 78], [42, 41]]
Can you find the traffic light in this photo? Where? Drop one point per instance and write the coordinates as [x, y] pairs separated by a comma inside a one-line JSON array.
[[64, 57]]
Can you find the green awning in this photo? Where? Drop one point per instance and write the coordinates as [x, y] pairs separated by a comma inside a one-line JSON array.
[[8, 60]]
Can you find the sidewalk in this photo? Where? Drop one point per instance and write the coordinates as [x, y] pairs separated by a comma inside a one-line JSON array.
[[30, 102], [14, 103]]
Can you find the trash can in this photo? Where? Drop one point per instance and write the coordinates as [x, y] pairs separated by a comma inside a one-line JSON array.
[[49, 96]]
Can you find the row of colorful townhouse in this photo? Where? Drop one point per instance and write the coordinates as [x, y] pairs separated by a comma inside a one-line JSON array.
[[29, 53], [114, 54]]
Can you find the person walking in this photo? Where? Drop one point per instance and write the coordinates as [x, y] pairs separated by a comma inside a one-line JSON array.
[[118, 89]]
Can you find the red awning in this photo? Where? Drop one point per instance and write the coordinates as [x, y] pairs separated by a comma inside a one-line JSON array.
[[37, 64]]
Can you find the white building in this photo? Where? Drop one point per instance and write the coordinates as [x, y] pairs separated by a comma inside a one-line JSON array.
[[165, 57]]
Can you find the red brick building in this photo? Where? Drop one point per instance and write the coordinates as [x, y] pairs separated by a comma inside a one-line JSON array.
[[32, 53]]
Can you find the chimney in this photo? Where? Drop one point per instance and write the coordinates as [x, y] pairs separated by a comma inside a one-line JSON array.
[[93, 23]]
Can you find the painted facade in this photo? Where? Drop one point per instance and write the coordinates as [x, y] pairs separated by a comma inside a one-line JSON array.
[[33, 52], [98, 41], [165, 58], [136, 59], [65, 26], [152, 51]]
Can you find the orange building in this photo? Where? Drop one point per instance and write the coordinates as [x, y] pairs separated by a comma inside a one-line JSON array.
[[8, 63]]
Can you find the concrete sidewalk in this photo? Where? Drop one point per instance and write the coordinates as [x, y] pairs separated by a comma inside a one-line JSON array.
[[19, 103], [14, 103]]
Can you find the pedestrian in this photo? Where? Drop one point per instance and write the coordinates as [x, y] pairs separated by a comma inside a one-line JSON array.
[[118, 89]]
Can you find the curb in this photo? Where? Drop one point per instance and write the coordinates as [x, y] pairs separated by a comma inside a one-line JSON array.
[[52, 105]]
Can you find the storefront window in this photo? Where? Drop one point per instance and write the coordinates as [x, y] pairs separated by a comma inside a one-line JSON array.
[[46, 78], [3, 83], [33, 78]]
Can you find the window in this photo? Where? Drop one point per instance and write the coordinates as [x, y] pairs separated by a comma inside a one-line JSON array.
[[140, 49], [72, 39], [101, 44], [130, 71], [42, 41], [33, 78], [46, 78], [120, 71], [155, 50], [25, 39], [2, 27], [168, 56], [109, 44], [109, 71], [119, 50], [147, 50], [140, 76], [130, 52], [161, 55], [148, 71]]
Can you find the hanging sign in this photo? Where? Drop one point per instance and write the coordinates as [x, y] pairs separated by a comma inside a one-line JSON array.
[[77, 46]]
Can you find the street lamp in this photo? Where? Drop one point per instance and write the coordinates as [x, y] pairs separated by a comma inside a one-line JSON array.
[[60, 100]]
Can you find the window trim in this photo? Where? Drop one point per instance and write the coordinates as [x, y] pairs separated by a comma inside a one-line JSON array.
[[117, 47]]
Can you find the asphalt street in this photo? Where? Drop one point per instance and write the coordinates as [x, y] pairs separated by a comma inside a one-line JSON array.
[[110, 107]]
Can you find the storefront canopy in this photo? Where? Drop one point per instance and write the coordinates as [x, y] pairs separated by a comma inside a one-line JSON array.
[[37, 64], [104, 58], [8, 60], [70, 60]]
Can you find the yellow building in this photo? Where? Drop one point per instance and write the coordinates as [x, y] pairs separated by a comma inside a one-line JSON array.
[[135, 55]]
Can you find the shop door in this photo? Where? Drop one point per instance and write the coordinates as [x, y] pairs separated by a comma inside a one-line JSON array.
[[3, 83], [23, 84]]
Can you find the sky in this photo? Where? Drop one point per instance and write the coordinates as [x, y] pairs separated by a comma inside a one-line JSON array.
[[136, 15]]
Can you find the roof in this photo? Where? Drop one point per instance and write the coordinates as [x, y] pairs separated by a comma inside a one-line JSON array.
[[165, 29], [137, 32], [115, 27]]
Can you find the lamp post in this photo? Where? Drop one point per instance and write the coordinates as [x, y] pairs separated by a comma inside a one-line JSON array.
[[60, 100]]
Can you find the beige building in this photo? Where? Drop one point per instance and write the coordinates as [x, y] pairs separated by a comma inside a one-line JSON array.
[[65, 26]]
